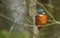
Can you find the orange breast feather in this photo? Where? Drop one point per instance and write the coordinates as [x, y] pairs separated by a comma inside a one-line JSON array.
[[41, 19]]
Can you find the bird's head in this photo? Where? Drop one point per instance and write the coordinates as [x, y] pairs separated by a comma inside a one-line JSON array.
[[41, 11]]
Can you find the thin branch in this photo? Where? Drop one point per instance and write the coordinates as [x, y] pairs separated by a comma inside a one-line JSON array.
[[50, 21], [27, 19], [50, 24], [6, 17]]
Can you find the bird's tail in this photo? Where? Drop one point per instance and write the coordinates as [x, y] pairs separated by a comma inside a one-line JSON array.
[[39, 28]]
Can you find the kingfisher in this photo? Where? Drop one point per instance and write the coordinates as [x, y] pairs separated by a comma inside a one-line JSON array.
[[40, 18]]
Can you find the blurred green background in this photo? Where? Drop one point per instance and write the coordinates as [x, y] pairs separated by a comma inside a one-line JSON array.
[[12, 9]]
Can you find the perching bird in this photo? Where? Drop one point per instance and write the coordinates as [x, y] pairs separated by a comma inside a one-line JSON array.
[[41, 18]]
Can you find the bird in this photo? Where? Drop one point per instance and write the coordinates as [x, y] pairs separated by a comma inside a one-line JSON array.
[[41, 18]]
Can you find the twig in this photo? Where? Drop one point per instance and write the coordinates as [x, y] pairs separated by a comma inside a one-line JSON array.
[[50, 21], [26, 17], [50, 24], [6, 17]]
